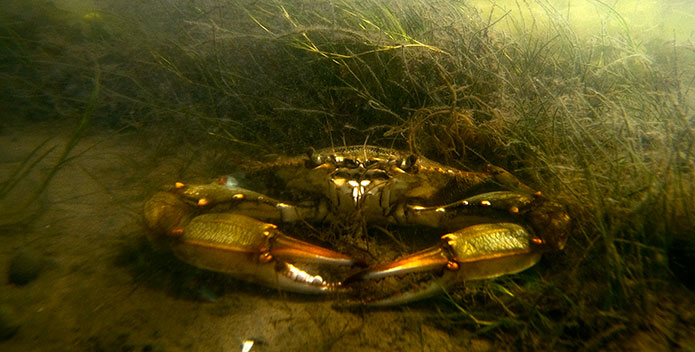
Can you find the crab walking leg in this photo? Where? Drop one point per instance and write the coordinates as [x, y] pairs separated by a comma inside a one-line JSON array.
[[486, 207], [473, 253], [226, 196]]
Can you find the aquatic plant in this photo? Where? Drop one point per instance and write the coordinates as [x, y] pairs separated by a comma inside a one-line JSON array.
[[598, 121], [603, 121]]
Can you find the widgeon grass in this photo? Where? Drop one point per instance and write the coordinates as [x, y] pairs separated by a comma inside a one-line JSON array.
[[595, 122], [25, 208]]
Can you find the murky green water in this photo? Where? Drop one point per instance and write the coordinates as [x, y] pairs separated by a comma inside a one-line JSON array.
[[596, 113]]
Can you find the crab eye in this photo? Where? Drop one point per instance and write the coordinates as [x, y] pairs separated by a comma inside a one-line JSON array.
[[408, 163], [376, 175], [351, 163], [317, 159], [342, 174], [369, 163]]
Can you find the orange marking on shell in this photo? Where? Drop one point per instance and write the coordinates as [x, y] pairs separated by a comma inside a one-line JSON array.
[[179, 185], [452, 265], [538, 193], [177, 232], [238, 196], [203, 202], [537, 240], [265, 257], [485, 202], [514, 210], [448, 236], [323, 166]]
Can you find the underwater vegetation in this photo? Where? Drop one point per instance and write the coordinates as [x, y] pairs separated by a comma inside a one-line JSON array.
[[601, 122]]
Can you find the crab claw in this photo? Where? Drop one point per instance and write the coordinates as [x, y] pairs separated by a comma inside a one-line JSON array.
[[476, 252], [255, 251], [241, 246]]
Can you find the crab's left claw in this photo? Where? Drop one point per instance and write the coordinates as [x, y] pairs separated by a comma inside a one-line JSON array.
[[476, 252]]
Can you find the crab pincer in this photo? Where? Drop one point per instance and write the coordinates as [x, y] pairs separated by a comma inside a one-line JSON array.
[[476, 252], [250, 249], [243, 247]]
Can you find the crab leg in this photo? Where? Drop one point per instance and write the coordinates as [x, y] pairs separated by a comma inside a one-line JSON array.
[[290, 248], [224, 195], [241, 246], [486, 207], [431, 259], [250, 249], [476, 252]]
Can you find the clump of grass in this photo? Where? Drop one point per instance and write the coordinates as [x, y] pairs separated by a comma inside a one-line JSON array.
[[595, 122], [14, 213]]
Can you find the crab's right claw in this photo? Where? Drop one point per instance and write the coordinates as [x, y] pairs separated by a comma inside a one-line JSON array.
[[258, 252], [243, 247], [476, 252]]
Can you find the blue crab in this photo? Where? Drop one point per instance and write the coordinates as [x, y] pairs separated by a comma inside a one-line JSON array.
[[490, 224]]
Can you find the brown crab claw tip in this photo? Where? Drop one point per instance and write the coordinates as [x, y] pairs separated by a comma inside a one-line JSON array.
[[426, 260], [294, 250]]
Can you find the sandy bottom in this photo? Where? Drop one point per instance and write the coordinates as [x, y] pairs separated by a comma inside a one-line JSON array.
[[94, 282], [101, 286]]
